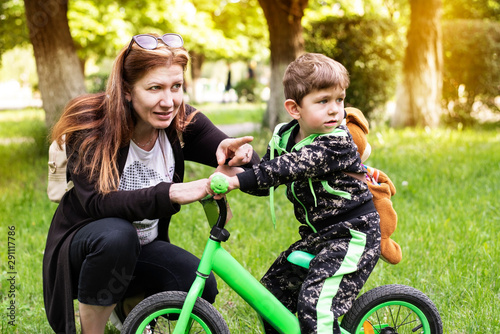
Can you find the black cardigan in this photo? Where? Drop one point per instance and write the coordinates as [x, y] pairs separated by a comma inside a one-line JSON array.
[[82, 205]]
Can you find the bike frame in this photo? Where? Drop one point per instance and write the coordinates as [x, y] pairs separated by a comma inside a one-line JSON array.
[[243, 283], [215, 258]]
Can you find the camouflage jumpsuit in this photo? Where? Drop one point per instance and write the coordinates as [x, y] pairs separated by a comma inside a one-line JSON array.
[[340, 224]]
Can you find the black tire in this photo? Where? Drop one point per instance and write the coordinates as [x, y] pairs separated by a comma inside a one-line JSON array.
[[394, 309], [161, 311]]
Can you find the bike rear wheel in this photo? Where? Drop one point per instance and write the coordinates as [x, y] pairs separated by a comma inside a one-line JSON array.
[[159, 314], [393, 309]]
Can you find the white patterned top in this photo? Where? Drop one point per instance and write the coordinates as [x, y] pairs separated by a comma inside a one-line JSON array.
[[145, 169]]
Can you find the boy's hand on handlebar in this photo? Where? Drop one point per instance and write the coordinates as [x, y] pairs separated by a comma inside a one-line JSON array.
[[232, 183], [238, 150]]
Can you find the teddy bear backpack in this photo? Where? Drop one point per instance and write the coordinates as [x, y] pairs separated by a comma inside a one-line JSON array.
[[380, 186]]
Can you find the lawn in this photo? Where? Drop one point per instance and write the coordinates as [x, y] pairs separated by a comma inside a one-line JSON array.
[[448, 221]]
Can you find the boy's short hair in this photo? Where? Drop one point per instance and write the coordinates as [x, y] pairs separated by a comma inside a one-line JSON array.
[[313, 71]]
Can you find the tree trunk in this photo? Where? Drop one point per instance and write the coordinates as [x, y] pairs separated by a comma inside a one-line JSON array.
[[287, 43], [419, 96], [60, 77], [197, 60]]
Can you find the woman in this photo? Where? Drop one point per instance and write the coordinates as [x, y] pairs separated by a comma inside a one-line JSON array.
[[126, 150]]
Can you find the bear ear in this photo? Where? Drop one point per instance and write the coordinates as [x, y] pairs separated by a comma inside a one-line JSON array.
[[355, 116]]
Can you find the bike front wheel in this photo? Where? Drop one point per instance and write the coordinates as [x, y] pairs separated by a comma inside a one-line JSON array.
[[159, 314], [393, 309]]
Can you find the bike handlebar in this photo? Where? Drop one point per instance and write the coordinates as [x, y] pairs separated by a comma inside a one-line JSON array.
[[219, 184]]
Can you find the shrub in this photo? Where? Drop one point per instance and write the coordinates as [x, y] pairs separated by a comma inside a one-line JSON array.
[[96, 83], [471, 50], [248, 90]]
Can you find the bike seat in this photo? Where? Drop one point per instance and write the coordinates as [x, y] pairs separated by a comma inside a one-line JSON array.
[[300, 258]]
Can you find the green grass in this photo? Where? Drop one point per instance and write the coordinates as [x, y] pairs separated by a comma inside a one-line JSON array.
[[448, 223], [233, 113]]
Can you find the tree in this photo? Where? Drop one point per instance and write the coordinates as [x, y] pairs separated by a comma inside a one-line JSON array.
[[60, 77], [12, 26], [286, 43], [419, 98]]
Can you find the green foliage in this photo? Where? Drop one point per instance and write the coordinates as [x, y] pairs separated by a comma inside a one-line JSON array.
[[96, 82], [208, 27], [248, 90], [396, 9], [371, 51], [99, 28], [471, 9], [448, 223], [241, 23], [13, 27], [471, 50]]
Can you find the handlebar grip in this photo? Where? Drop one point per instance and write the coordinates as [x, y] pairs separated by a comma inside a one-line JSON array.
[[219, 184]]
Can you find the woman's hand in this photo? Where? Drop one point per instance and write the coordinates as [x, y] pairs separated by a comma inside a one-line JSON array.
[[189, 192], [228, 171], [237, 149]]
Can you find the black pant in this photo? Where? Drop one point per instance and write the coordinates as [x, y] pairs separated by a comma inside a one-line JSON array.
[[108, 264]]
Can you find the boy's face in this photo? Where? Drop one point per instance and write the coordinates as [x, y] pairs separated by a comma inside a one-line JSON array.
[[321, 111]]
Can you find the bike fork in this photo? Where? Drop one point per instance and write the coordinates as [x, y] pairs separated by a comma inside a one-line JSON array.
[[196, 290]]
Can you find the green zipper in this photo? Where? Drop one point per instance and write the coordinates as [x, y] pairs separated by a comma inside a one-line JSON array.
[[303, 206]]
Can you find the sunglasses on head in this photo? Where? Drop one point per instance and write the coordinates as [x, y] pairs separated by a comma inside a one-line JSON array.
[[150, 42]]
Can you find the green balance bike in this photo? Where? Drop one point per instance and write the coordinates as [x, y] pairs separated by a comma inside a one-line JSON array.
[[387, 309]]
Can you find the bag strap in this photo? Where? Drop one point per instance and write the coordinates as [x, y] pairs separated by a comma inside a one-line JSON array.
[[358, 176]]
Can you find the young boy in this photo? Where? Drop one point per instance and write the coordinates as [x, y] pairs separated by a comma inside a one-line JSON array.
[[340, 226]]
